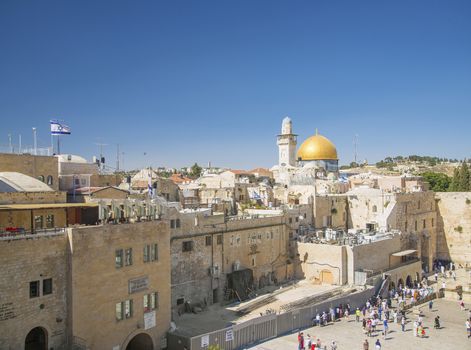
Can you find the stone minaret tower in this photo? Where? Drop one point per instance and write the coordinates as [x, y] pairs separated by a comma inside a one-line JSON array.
[[287, 144]]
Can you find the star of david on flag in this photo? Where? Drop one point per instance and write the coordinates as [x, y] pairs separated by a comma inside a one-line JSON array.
[[58, 128]]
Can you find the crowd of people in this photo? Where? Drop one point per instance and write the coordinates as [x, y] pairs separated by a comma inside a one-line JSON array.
[[377, 313]]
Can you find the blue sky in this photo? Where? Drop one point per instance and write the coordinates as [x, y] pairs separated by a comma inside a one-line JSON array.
[[186, 81]]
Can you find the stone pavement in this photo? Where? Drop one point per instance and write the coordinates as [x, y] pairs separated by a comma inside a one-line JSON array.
[[349, 334]]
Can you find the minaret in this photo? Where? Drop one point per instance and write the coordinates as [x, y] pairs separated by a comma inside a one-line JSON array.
[[287, 144]]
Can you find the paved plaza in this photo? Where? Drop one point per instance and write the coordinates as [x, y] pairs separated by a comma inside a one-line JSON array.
[[349, 334]]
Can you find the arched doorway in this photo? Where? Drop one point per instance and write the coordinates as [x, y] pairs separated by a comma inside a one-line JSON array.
[[142, 341], [409, 282], [400, 283], [36, 339], [392, 286]]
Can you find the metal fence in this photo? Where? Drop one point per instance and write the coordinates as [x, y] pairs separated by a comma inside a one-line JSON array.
[[263, 328]]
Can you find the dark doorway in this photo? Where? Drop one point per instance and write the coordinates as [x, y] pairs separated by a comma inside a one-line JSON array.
[[142, 341], [36, 339], [215, 295], [409, 282]]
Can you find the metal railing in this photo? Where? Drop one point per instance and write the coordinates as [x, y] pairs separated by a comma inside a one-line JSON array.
[[265, 327], [21, 233]]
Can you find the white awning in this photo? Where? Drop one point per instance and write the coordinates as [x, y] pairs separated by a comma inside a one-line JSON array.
[[404, 252]]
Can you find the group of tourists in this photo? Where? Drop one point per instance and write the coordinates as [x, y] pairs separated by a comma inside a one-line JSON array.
[[309, 343], [377, 313]]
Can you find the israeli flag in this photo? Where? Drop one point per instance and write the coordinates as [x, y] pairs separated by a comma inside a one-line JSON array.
[[58, 128]]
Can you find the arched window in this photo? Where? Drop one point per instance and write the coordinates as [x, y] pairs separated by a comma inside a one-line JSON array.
[[375, 208], [41, 178], [49, 180]]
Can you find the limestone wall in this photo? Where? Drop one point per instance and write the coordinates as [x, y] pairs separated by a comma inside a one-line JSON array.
[[32, 197], [34, 166], [97, 285], [23, 261], [454, 226], [315, 259]]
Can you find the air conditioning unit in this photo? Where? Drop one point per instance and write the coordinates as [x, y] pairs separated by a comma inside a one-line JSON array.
[[236, 266], [214, 271]]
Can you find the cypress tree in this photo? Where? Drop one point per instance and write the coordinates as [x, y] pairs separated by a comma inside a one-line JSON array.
[[454, 186], [464, 177]]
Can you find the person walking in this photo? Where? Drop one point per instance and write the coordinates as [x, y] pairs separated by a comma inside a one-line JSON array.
[[357, 314], [377, 344], [385, 328], [430, 305], [468, 328], [403, 324], [366, 345], [333, 346]]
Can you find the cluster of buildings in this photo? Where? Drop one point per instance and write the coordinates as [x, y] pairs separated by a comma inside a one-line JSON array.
[[96, 261]]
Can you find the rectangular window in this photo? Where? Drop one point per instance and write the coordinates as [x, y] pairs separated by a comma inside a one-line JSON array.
[[50, 221], [433, 223], [406, 225], [416, 225], [172, 223], [424, 223], [34, 289], [219, 239], [119, 311], [253, 261], [146, 253], [38, 222], [209, 240], [47, 286], [128, 257], [119, 258], [177, 223], [290, 220], [271, 235], [187, 246], [154, 252], [151, 301], [151, 252], [128, 308]]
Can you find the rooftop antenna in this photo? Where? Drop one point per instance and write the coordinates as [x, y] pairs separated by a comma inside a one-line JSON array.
[[102, 159], [355, 144], [35, 142], [9, 143], [117, 157]]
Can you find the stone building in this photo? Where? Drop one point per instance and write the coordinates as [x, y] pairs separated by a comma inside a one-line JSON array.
[[352, 260], [207, 249], [413, 213], [86, 287], [43, 168], [120, 293], [33, 291]]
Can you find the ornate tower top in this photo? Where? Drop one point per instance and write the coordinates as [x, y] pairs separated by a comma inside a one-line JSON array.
[[286, 126]]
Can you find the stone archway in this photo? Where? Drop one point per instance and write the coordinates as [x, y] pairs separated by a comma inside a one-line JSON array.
[[400, 283], [409, 281], [141, 341], [392, 286], [36, 339]]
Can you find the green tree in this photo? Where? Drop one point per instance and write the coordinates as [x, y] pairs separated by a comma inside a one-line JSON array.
[[454, 185], [196, 170], [464, 177], [439, 182]]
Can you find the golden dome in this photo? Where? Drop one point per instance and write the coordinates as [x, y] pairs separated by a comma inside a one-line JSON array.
[[317, 147]]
